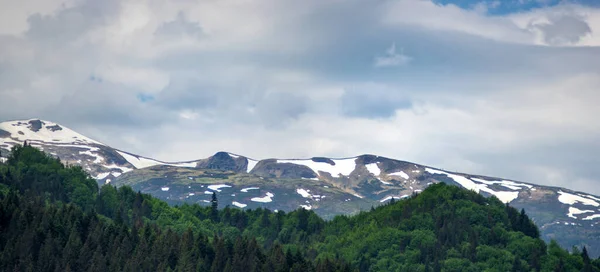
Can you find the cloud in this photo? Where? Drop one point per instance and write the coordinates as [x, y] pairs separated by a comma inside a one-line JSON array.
[[392, 58], [564, 29], [373, 101], [509, 95], [178, 28]]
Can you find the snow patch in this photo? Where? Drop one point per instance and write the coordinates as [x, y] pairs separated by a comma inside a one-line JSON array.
[[216, 187], [310, 178], [373, 169], [357, 195], [141, 162], [122, 168], [592, 217], [182, 164], [44, 134], [264, 199], [102, 175], [251, 164], [138, 162], [342, 167], [306, 207], [400, 174], [589, 196], [245, 190], [387, 198], [385, 182], [505, 197], [165, 189], [303, 193], [573, 211], [571, 199], [504, 183], [395, 197], [464, 182], [98, 158], [239, 205]]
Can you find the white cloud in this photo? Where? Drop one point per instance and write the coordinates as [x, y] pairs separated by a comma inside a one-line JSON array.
[[188, 114], [392, 58], [449, 17]]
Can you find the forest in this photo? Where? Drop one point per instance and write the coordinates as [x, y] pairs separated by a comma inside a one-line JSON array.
[[54, 217]]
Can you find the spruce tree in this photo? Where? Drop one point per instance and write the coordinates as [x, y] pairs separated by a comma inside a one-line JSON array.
[[587, 264], [214, 204]]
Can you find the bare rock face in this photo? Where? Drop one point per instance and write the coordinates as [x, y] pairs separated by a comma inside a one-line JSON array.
[[272, 169], [224, 161], [35, 125]]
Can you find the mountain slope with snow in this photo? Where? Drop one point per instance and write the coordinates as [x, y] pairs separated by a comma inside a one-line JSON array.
[[329, 186], [101, 161]]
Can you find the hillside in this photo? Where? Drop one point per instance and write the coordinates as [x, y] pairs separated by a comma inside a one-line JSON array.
[[327, 186], [51, 221]]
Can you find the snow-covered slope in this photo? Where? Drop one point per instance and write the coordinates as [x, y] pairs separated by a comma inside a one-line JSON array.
[[35, 130], [334, 167], [101, 161]]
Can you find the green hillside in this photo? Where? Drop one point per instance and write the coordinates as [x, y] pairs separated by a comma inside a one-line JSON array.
[[55, 218]]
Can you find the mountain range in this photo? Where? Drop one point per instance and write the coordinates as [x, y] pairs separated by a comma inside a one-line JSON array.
[[328, 186]]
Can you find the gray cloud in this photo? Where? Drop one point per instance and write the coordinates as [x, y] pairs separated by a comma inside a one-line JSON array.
[[185, 93], [104, 103], [564, 29], [178, 28], [373, 101], [284, 79], [277, 109], [68, 24]]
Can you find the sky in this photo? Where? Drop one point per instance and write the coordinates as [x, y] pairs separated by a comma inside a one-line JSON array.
[[500, 88]]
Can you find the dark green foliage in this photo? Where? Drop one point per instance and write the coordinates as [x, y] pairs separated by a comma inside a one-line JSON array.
[[53, 218], [34, 173], [214, 205]]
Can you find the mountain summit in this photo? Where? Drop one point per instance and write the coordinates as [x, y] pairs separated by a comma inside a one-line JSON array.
[[326, 185]]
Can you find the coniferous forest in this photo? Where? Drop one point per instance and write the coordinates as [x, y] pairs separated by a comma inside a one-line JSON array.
[[55, 218]]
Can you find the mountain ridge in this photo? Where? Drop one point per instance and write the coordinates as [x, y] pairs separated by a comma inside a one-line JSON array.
[[329, 186]]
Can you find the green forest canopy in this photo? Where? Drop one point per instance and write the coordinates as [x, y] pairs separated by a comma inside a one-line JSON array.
[[55, 218]]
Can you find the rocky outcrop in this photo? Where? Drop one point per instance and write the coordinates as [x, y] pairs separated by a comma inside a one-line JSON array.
[[271, 168], [224, 161]]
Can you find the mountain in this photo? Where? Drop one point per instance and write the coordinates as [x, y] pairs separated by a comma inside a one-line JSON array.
[[328, 186], [55, 218], [104, 163]]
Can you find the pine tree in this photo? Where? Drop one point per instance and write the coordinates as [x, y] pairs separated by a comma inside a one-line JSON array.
[[560, 266], [516, 267], [214, 205], [587, 264]]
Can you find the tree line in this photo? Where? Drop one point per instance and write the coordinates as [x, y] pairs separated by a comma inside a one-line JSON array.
[[55, 218]]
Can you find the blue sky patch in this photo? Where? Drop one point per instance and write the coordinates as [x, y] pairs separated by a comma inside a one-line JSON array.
[[502, 7], [144, 98]]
